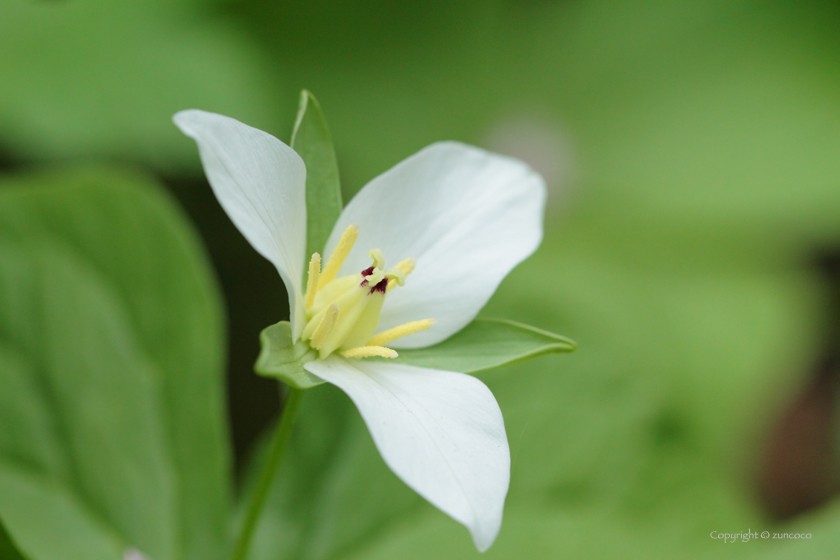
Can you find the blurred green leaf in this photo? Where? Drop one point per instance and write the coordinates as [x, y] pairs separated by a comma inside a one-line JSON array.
[[98, 78], [281, 359], [311, 140], [79, 415], [486, 344], [8, 549], [111, 403]]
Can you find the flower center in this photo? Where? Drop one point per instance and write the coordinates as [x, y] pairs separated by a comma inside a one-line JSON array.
[[342, 313]]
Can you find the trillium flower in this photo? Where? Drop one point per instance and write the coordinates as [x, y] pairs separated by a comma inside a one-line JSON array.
[[456, 220]]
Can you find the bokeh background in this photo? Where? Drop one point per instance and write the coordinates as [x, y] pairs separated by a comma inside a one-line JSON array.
[[692, 248]]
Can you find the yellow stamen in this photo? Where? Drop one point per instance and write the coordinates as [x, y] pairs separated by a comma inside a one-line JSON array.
[[370, 351], [348, 238], [406, 267], [324, 327], [312, 280], [399, 332]]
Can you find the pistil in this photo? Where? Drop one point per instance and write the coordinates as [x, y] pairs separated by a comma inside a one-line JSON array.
[[405, 267], [343, 313]]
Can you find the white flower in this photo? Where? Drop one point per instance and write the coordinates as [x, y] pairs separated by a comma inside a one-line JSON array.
[[457, 219]]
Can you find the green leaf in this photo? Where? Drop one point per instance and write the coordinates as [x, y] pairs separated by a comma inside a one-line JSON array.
[[281, 359], [104, 78], [111, 352], [8, 548], [486, 344], [80, 414], [311, 140]]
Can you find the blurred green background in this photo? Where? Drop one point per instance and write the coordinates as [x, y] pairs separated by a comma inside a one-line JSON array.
[[692, 152]]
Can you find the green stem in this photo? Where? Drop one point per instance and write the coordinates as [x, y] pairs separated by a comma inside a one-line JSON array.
[[275, 456]]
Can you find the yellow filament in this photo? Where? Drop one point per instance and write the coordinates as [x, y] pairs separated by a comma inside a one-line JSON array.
[[406, 267], [324, 327], [370, 351], [348, 238], [312, 280], [399, 332]]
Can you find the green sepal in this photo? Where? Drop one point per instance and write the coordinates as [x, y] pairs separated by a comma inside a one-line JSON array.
[[486, 344], [8, 548], [283, 360], [311, 140]]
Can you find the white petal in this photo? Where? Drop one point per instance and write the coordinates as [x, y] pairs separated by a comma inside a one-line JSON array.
[[261, 184], [441, 432], [468, 216]]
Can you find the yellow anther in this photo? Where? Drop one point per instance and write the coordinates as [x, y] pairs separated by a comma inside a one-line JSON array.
[[324, 327], [348, 238], [312, 280], [406, 267], [399, 332], [369, 351]]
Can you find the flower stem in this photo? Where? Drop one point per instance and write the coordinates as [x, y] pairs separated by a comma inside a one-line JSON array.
[[272, 462]]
